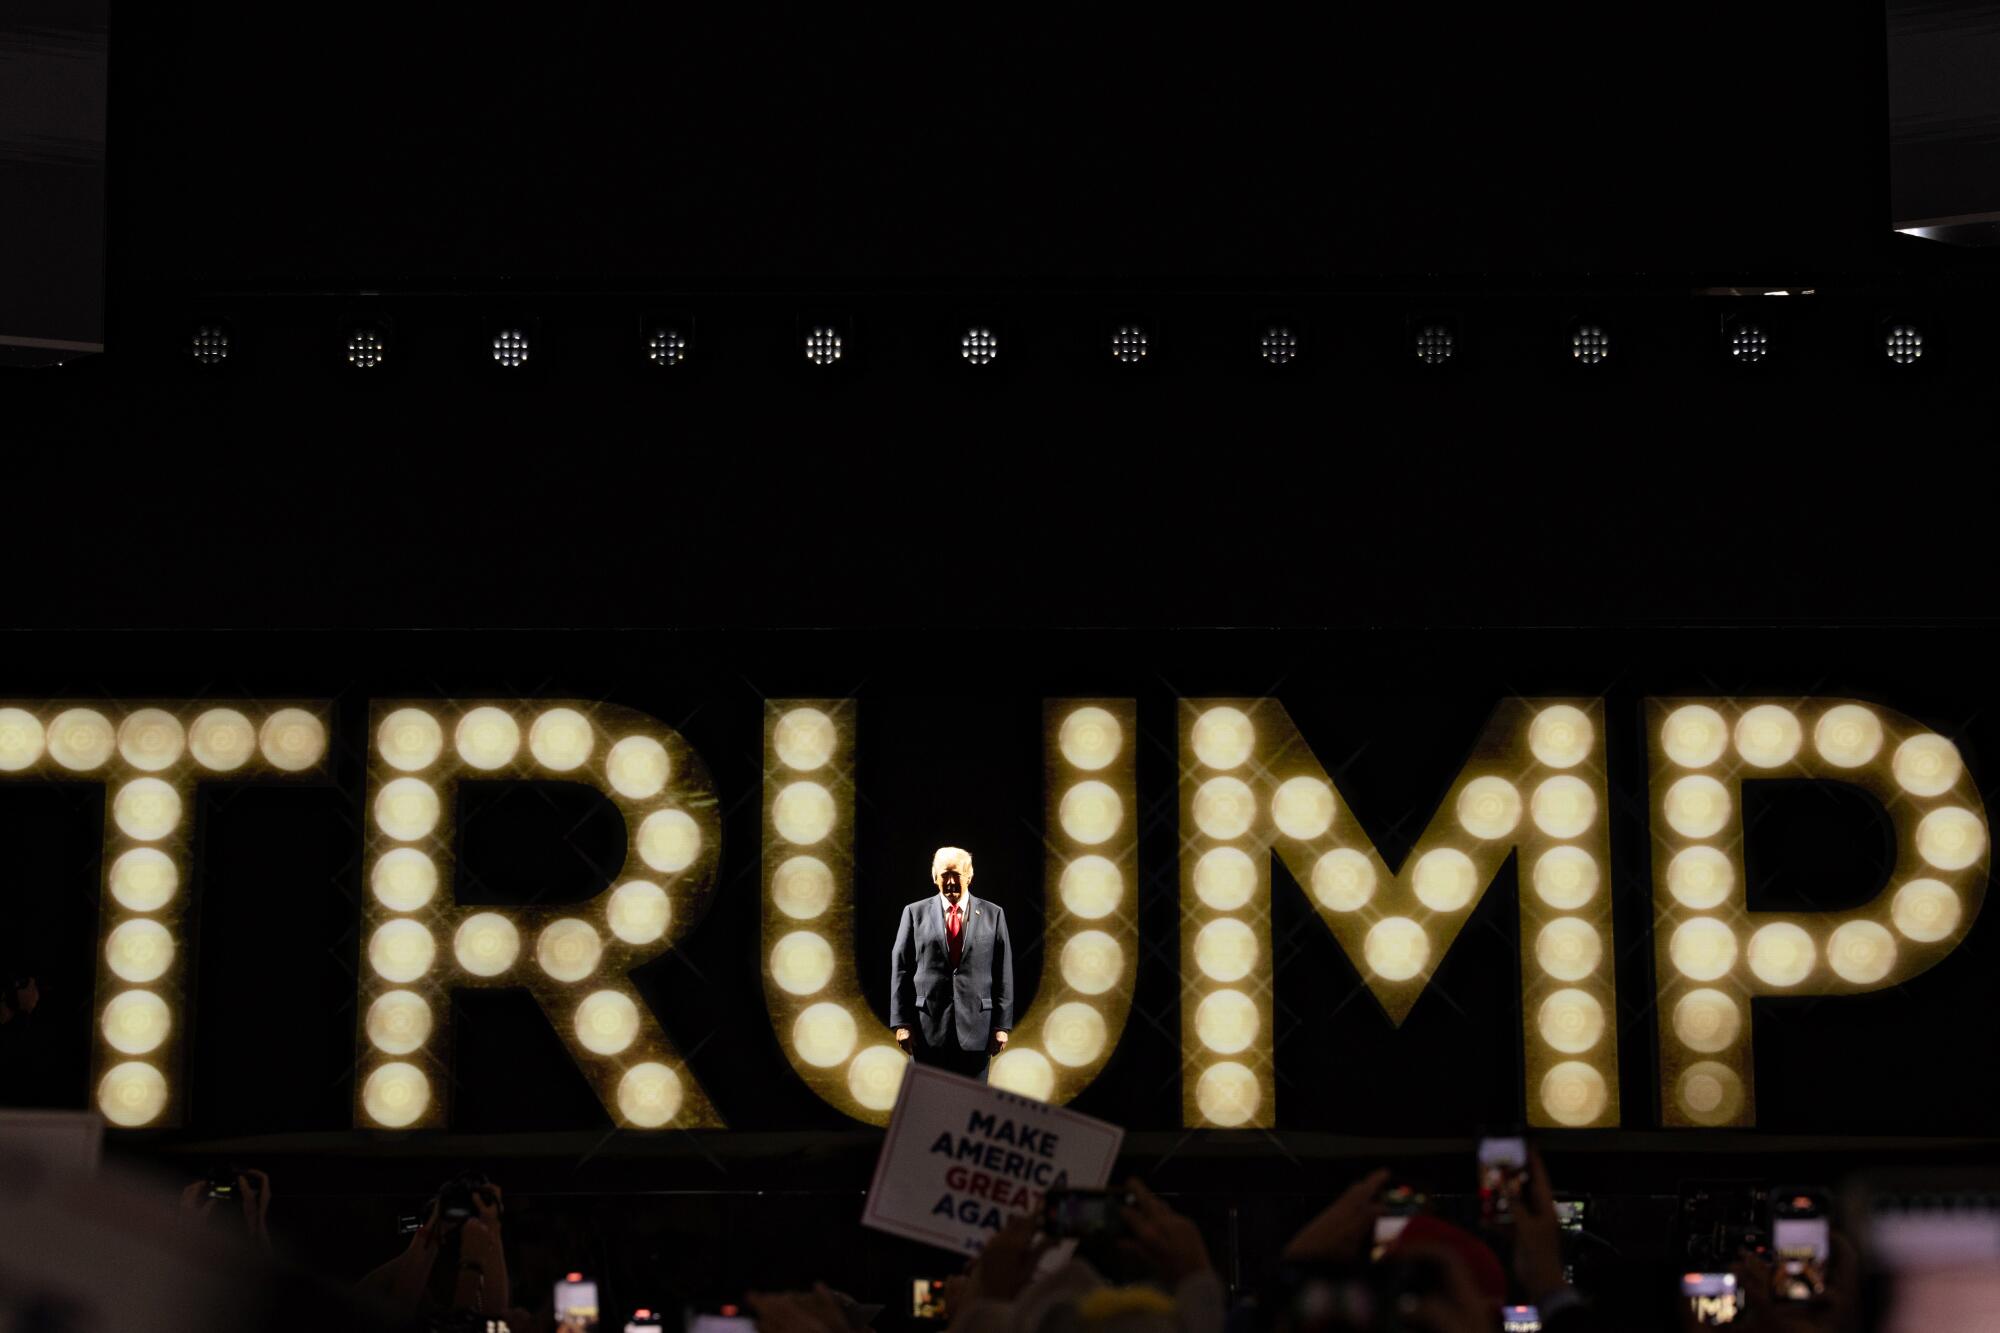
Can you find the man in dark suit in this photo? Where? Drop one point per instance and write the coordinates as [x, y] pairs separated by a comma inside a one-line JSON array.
[[951, 977]]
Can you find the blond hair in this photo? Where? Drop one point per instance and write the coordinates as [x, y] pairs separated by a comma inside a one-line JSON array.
[[952, 858]]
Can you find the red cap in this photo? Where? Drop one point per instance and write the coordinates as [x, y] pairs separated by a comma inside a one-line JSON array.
[[1479, 1260], [572, 1277]]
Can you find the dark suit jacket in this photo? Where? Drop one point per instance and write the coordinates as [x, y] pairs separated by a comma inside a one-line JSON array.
[[952, 1006]]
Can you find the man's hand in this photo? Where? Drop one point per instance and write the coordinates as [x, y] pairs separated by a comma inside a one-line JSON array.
[[1342, 1232], [1161, 1236], [194, 1199], [254, 1188], [1537, 1235], [998, 1044], [1008, 1261], [903, 1040]]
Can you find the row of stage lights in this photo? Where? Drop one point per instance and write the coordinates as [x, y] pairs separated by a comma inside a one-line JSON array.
[[1745, 342]]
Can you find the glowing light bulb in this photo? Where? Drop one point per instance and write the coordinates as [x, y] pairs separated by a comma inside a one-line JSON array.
[[1092, 962], [151, 739], [1574, 1093], [1848, 735], [81, 739], [409, 740], [407, 809], [1697, 806], [399, 1022], [875, 1078], [638, 768], [1223, 808], [1927, 765], [136, 1022], [1707, 1021], [1563, 807], [1227, 1094], [607, 1022], [1694, 736], [561, 740], [1024, 1073], [1768, 736], [132, 1094], [1396, 948], [404, 879], [292, 740], [1951, 837], [1489, 807], [802, 887], [569, 949], [670, 840], [1565, 877], [1303, 808], [401, 951], [802, 962], [1561, 736], [1225, 949], [1700, 877], [1223, 737], [1091, 887], [1224, 878], [1568, 949], [1090, 738], [222, 740], [1709, 1092], [824, 1034], [1781, 954], [144, 879], [1343, 880], [1861, 952], [21, 739], [146, 809], [649, 1095], [139, 951], [1445, 879], [1702, 949], [487, 944], [1074, 1034], [487, 738], [802, 812], [1091, 812], [1226, 1021], [639, 911], [396, 1095], [1570, 1020], [1925, 910], [805, 739]]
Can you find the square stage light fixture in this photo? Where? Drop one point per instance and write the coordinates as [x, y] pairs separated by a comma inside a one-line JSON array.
[[1588, 344], [1433, 342], [366, 347], [824, 344], [666, 341], [211, 343], [1133, 343]]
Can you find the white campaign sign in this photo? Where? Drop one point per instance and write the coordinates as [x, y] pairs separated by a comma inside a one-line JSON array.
[[961, 1157]]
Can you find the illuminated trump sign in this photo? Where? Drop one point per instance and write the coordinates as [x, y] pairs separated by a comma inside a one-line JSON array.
[[1250, 793]]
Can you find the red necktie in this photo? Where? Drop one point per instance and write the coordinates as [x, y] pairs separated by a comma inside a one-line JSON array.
[[951, 930]]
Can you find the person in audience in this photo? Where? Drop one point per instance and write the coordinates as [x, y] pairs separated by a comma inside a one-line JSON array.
[[453, 1264], [23, 1044], [253, 1197]]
